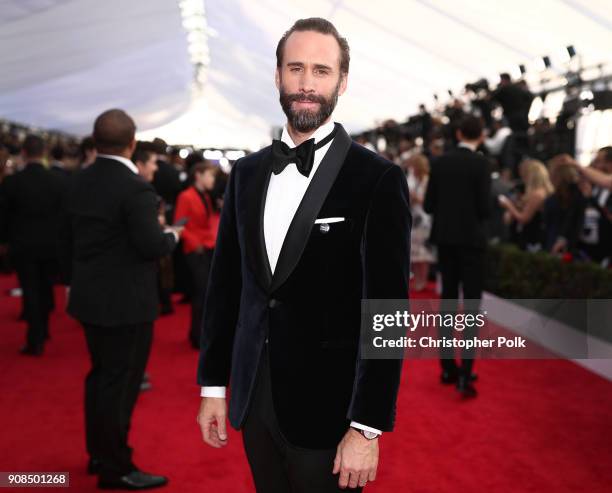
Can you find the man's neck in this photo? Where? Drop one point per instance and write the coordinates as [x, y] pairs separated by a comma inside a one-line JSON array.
[[299, 137], [470, 144], [124, 154]]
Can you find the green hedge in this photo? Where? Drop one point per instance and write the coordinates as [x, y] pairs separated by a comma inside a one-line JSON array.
[[513, 273]]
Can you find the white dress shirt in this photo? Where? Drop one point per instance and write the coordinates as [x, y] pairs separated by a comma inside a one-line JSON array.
[[285, 193], [468, 145], [495, 144], [131, 166]]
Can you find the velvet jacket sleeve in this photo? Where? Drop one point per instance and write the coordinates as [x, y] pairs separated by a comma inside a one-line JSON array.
[[386, 268], [222, 297]]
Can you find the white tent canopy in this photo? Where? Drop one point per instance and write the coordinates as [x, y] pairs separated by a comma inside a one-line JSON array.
[[62, 62]]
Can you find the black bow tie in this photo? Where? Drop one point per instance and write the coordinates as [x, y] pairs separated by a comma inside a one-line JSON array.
[[302, 155]]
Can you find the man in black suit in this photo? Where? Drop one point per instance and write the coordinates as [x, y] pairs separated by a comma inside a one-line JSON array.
[[458, 196], [30, 202], [515, 99], [167, 183], [166, 180], [112, 239], [309, 227]]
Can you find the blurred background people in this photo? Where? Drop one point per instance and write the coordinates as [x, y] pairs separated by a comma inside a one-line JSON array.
[[564, 209], [196, 206], [527, 213], [458, 198], [596, 236], [87, 152], [30, 202], [421, 251], [111, 239]]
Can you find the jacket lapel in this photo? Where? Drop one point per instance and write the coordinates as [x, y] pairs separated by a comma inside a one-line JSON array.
[[254, 232], [301, 225]]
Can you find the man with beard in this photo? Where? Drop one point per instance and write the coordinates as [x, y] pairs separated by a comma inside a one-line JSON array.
[[310, 226]]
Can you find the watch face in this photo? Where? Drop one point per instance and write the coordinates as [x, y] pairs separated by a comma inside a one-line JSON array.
[[370, 435]]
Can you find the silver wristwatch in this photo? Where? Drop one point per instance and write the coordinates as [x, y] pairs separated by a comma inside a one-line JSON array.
[[369, 435]]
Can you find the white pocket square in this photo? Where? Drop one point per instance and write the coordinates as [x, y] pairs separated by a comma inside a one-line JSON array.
[[329, 220]]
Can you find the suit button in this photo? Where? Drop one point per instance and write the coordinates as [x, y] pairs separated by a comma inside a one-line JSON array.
[[273, 303]]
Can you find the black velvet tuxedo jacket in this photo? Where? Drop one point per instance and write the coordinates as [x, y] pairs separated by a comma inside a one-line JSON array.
[[110, 241], [309, 310]]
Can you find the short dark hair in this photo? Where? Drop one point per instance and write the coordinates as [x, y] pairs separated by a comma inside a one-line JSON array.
[[58, 152], [87, 144], [194, 158], [33, 146], [143, 151], [114, 131], [160, 146], [319, 25], [201, 167], [607, 152], [470, 127], [505, 77]]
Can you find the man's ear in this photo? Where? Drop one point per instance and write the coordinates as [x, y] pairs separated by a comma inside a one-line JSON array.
[[132, 146], [343, 84], [277, 78]]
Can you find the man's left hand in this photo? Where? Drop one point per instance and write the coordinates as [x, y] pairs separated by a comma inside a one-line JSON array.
[[356, 460]]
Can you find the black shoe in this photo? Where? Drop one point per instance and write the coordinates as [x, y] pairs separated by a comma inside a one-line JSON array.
[[447, 377], [93, 466], [465, 387], [31, 350], [136, 480]]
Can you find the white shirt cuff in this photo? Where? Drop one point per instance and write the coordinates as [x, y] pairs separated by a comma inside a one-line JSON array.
[[218, 392], [365, 428], [174, 233]]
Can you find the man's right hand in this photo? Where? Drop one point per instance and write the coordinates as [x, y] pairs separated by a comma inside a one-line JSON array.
[[211, 419]]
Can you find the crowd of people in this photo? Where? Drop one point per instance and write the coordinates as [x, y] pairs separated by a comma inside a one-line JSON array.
[[541, 199], [104, 216], [36, 172]]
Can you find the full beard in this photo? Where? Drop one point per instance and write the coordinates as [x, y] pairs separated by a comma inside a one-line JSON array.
[[306, 121]]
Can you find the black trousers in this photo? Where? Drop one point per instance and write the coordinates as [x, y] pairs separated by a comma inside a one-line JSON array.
[[36, 279], [199, 267], [278, 466], [118, 360], [460, 266]]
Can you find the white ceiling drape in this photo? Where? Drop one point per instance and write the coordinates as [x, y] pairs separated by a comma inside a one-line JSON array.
[[62, 62]]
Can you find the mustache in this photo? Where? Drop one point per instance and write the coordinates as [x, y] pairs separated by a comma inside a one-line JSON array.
[[306, 98]]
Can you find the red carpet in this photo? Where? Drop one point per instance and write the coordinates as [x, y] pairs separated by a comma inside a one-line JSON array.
[[537, 426]]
